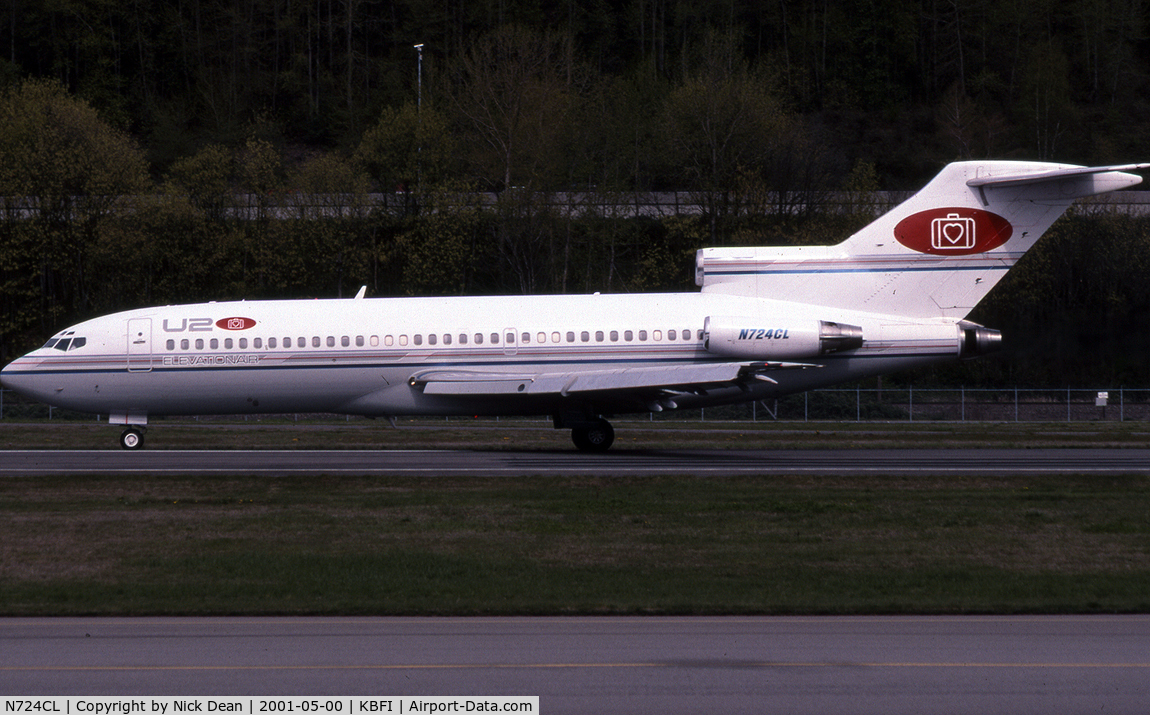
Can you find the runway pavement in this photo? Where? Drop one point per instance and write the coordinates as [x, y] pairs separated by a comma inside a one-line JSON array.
[[1003, 462], [888, 665]]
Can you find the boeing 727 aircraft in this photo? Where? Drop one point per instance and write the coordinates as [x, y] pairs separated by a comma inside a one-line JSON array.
[[767, 322]]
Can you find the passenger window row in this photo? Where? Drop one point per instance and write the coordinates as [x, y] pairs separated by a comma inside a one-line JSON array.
[[525, 338]]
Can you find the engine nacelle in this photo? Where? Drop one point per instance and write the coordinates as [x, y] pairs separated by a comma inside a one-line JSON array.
[[777, 340], [975, 340]]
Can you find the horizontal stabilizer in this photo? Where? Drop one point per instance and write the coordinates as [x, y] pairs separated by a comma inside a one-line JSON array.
[[1055, 175]]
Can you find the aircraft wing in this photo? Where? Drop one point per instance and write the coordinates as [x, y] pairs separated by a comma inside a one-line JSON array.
[[682, 378]]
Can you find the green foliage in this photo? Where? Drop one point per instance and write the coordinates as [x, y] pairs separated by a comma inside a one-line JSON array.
[[405, 146], [64, 172], [206, 178]]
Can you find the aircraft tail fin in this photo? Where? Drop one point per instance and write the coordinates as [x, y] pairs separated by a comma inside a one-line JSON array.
[[935, 255]]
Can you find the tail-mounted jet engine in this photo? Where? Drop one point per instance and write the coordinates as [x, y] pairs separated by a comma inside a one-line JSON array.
[[975, 340], [778, 340]]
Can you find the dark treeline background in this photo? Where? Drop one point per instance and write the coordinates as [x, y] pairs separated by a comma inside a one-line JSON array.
[[157, 152]]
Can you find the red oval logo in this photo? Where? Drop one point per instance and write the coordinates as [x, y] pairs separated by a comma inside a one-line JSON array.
[[235, 323], [953, 231]]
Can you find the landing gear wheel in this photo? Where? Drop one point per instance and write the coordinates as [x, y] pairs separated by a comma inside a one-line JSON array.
[[132, 438], [595, 437]]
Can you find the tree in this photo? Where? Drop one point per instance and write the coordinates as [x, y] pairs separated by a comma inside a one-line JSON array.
[[205, 178], [63, 173], [515, 92], [720, 119], [409, 148]]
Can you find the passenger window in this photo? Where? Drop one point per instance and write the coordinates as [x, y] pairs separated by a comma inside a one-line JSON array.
[[227, 343], [388, 341], [511, 337], [542, 338], [271, 343], [345, 342], [359, 341], [495, 338], [375, 341], [628, 335], [585, 336], [417, 339], [463, 338], [598, 336], [571, 336], [526, 338], [642, 335], [315, 341], [403, 340], [657, 335], [243, 343], [214, 344], [331, 341], [257, 343], [447, 338], [199, 343], [479, 338], [171, 344], [614, 336], [431, 339], [184, 344]]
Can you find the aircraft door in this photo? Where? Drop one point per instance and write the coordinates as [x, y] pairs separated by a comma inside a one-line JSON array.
[[140, 345]]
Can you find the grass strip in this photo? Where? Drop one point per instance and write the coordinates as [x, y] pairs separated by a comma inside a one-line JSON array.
[[558, 545]]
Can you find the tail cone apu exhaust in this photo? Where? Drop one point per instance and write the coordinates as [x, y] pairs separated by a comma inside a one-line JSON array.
[[977, 340]]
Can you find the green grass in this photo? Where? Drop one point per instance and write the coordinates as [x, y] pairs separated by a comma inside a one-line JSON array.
[[672, 544]]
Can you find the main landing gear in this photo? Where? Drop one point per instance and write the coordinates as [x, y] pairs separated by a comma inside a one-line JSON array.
[[132, 438], [596, 435]]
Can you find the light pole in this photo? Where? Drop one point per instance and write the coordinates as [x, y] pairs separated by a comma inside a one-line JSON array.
[[419, 104], [419, 113]]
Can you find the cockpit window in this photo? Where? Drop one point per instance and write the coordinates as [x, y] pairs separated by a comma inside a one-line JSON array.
[[65, 344]]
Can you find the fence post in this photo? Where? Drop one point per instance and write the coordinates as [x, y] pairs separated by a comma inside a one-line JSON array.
[[807, 406]]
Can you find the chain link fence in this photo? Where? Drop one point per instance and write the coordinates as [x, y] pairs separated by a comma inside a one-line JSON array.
[[963, 404]]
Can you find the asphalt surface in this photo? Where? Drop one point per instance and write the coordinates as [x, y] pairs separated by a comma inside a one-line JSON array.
[[1003, 462], [921, 665], [888, 665]]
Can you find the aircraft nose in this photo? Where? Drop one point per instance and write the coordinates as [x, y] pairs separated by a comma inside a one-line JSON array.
[[16, 377]]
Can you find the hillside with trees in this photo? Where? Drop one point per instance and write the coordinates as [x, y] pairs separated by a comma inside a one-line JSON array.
[[210, 149]]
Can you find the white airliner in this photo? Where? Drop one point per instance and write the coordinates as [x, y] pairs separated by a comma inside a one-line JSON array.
[[768, 321]]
